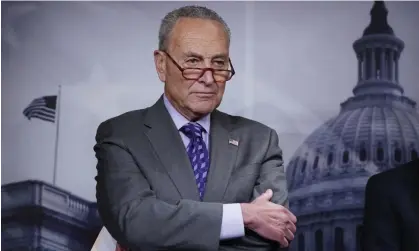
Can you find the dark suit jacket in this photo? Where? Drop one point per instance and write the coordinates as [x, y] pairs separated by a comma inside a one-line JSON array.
[[391, 217], [146, 191]]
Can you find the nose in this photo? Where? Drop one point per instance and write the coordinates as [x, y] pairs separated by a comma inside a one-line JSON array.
[[207, 78]]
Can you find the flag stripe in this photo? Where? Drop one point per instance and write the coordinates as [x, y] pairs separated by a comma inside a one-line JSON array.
[[34, 104], [41, 109], [45, 118], [41, 113]]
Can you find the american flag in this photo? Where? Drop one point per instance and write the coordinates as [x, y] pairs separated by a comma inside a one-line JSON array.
[[42, 108]]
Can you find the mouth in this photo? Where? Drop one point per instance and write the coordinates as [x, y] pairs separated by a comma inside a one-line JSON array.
[[205, 94]]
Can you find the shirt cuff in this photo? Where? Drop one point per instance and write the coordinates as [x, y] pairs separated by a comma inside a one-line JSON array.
[[232, 225]]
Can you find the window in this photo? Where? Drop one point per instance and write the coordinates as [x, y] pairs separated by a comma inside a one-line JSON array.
[[301, 242], [380, 154], [330, 159], [398, 155], [303, 168], [316, 162], [345, 157], [296, 162], [413, 154], [339, 243], [319, 240]]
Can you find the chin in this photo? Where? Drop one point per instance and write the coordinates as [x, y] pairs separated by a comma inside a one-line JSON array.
[[204, 111], [204, 107]]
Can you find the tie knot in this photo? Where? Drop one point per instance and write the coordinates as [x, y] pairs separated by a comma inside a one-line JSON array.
[[192, 130]]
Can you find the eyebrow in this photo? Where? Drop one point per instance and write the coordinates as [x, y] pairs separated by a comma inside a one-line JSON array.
[[193, 54]]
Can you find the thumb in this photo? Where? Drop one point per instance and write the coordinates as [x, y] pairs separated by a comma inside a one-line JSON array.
[[266, 196]]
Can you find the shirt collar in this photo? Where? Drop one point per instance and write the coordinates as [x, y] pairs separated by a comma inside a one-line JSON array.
[[180, 120]]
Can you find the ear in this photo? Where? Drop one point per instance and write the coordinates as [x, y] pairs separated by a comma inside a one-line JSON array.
[[160, 63]]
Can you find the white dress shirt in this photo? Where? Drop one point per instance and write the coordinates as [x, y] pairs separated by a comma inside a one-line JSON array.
[[232, 225]]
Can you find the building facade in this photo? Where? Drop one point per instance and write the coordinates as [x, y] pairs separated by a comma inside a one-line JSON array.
[[42, 217], [377, 129]]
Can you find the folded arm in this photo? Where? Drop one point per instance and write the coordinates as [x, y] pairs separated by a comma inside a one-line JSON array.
[[272, 176], [272, 173], [135, 217]]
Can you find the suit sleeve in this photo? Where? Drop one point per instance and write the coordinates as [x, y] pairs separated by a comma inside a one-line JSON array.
[[272, 173], [135, 217], [272, 176], [381, 230]]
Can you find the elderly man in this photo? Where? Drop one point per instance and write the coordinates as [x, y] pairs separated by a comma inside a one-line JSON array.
[[181, 175], [391, 217]]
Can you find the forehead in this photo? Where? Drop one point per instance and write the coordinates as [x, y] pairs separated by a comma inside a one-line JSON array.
[[204, 37]]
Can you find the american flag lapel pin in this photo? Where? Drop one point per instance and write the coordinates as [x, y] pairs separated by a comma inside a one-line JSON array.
[[233, 142]]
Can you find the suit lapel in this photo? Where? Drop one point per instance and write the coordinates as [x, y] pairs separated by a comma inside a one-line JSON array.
[[168, 145], [222, 157]]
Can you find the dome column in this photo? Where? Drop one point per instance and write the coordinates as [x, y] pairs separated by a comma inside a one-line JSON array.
[[383, 63], [350, 236], [365, 66], [390, 65], [373, 64], [310, 240], [396, 71], [328, 237]]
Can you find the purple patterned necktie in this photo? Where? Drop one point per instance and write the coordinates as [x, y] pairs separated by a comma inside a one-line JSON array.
[[198, 154]]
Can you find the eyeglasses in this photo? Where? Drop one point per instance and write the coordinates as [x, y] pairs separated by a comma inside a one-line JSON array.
[[219, 75]]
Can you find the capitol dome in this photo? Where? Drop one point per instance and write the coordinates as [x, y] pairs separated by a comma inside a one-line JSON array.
[[376, 129]]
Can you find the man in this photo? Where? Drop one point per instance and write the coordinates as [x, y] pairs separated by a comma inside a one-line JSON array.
[[181, 175], [391, 217]]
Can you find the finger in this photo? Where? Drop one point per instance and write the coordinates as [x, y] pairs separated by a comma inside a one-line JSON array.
[[288, 234], [273, 233], [282, 221], [290, 215], [283, 241], [279, 236], [293, 217], [291, 226]]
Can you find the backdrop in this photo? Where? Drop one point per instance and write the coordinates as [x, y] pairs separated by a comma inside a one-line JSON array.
[[80, 63]]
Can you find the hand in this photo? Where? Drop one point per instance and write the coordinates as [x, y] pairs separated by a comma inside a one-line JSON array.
[[269, 220]]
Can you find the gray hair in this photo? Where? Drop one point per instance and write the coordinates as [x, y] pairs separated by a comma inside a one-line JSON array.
[[190, 11]]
